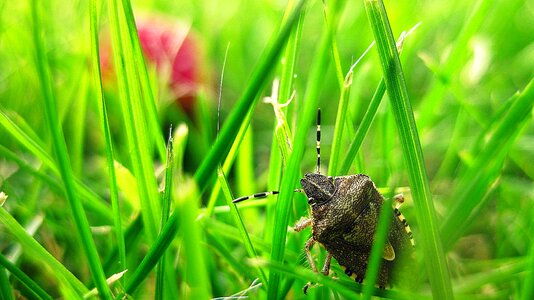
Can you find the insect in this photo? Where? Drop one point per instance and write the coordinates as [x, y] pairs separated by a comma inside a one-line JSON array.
[[344, 216]]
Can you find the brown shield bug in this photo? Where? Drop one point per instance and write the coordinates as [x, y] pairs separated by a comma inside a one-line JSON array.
[[344, 216]]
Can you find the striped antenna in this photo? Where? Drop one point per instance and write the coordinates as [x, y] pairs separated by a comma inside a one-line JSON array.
[[262, 195], [318, 141], [258, 195]]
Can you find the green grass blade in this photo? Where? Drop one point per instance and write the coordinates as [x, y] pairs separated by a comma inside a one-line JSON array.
[[239, 223], [345, 287], [216, 242], [318, 69], [220, 148], [375, 258], [148, 99], [166, 207], [60, 148], [362, 130], [97, 77], [195, 271], [228, 162], [475, 182], [135, 118], [528, 284], [368, 117], [413, 156], [23, 278], [445, 76], [6, 293], [35, 250], [246, 101], [34, 146]]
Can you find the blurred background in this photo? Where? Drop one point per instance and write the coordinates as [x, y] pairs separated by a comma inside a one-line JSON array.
[[463, 64]]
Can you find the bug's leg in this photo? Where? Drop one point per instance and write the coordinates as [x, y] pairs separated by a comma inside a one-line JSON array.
[[325, 271], [399, 199], [307, 248], [303, 223], [257, 195], [326, 266]]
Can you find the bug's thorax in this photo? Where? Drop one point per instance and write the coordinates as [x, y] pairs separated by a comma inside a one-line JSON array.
[[336, 214]]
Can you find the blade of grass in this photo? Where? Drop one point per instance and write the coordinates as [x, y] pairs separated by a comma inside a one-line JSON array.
[[40, 255], [298, 272], [278, 158], [132, 233], [6, 293], [195, 271], [228, 162], [113, 189], [239, 224], [246, 101], [219, 150], [135, 119], [36, 148], [60, 148], [375, 258], [318, 69], [364, 126], [477, 179], [23, 278], [340, 121], [344, 95], [527, 291], [368, 117], [148, 98], [346, 288], [28, 141], [456, 60], [217, 244], [413, 156], [167, 196]]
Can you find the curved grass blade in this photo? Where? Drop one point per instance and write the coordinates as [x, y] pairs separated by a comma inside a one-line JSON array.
[[135, 115], [368, 117], [476, 181], [166, 204], [23, 278], [195, 271], [35, 147], [60, 148], [318, 69], [6, 293], [239, 223], [340, 120], [413, 156], [220, 148], [148, 99], [40, 254], [377, 250], [113, 189]]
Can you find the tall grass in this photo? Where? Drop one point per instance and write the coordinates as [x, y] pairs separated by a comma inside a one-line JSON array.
[[436, 264]]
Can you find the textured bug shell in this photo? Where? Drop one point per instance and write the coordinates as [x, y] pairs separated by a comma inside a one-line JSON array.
[[346, 223]]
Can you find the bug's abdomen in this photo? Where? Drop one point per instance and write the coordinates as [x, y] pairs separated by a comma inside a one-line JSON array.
[[354, 262]]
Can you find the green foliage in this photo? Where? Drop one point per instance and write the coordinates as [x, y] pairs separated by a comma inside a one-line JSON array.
[[84, 115]]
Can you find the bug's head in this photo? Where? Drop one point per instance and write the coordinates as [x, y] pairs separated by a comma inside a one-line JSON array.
[[318, 188]]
